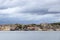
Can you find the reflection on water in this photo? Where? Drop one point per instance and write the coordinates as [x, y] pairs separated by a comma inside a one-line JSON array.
[[29, 35]]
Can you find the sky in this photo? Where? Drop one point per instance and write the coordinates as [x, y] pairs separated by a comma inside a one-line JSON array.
[[29, 11]]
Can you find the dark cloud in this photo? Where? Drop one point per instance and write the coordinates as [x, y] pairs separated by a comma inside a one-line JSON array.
[[1, 8], [20, 11], [35, 11], [38, 11]]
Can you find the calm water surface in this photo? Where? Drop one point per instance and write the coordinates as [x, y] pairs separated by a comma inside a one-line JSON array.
[[29, 35]]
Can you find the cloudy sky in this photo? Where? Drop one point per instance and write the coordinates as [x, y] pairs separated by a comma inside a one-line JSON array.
[[29, 11]]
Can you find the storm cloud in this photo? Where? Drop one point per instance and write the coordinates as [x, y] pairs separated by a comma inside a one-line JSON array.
[[29, 11]]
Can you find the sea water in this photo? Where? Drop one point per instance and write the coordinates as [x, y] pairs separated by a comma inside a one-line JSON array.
[[29, 35]]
